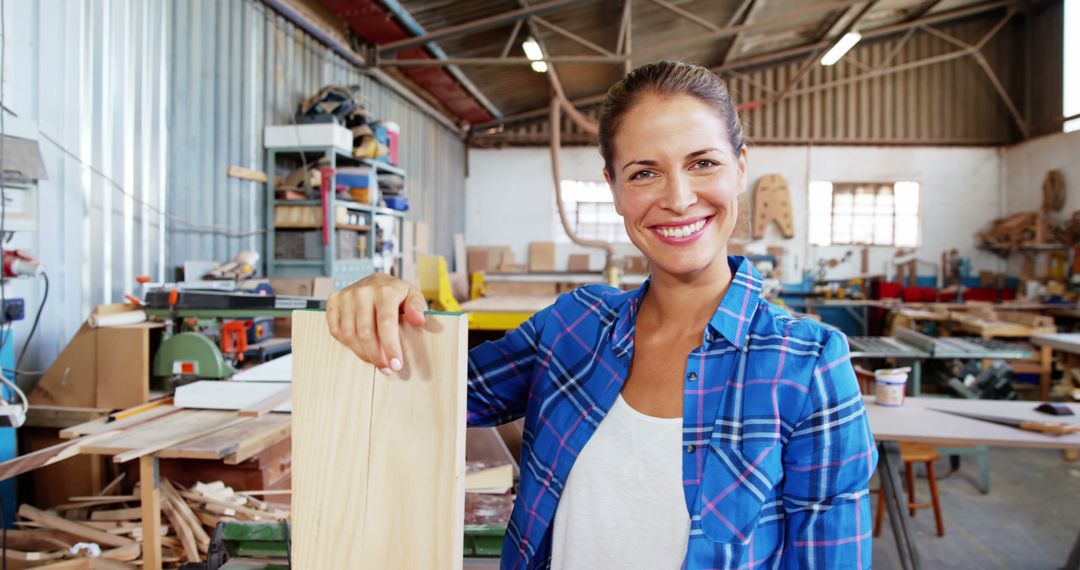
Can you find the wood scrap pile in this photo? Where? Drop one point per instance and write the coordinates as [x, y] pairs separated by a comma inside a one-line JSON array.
[[1023, 229], [108, 527]]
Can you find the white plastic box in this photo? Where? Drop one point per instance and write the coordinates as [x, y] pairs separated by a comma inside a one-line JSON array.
[[308, 135]]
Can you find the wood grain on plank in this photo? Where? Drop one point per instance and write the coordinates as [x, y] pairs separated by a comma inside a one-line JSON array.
[[378, 462], [275, 428], [267, 404], [229, 440]]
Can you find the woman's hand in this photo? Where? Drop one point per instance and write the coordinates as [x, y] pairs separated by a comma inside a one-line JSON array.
[[364, 317]]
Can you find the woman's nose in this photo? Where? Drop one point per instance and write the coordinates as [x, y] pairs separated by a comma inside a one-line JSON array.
[[678, 195]]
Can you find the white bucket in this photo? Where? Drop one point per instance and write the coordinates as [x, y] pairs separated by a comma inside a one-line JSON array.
[[889, 384]]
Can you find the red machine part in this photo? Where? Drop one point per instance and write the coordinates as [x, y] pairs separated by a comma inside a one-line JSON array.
[[234, 338]]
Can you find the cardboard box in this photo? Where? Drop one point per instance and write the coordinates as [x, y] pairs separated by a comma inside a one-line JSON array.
[[318, 287], [577, 263], [542, 256]]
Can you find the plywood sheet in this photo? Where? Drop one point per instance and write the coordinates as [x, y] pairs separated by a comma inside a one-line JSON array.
[[277, 370], [226, 395], [378, 462]]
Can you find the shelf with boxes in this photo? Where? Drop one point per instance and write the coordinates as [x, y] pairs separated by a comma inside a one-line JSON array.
[[365, 235]]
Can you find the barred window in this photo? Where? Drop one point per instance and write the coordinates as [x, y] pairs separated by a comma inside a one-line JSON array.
[[590, 210], [845, 213]]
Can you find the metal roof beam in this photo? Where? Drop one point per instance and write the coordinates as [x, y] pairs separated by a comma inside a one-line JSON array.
[[570, 35], [741, 16], [485, 23], [688, 15], [462, 61], [787, 53]]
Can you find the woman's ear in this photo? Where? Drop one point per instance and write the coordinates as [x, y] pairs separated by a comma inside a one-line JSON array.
[[742, 170], [611, 186]]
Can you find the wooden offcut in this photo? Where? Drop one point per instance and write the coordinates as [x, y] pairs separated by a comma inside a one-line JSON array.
[[541, 256], [378, 461], [772, 203]]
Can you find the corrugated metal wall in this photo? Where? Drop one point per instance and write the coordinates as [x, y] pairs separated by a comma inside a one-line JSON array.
[[236, 66], [162, 97], [950, 102]]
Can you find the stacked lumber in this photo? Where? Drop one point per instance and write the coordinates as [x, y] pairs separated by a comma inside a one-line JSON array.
[[107, 528], [1024, 229]]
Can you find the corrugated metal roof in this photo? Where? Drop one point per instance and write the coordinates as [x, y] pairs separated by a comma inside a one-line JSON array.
[[772, 34]]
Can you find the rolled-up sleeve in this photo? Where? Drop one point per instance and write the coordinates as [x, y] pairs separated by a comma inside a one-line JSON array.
[[828, 461], [500, 374]]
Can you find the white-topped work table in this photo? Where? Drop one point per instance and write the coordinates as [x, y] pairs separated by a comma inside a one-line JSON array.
[[915, 421], [1067, 345]]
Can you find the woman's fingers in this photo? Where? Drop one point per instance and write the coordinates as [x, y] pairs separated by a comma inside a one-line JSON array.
[[387, 304], [414, 307], [365, 317]]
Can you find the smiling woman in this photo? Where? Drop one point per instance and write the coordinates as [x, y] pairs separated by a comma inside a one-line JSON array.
[[688, 423]]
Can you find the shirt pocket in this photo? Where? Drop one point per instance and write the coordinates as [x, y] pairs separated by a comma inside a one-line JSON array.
[[736, 482]]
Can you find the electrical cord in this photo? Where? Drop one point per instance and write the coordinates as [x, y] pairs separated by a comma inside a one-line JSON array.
[[37, 318]]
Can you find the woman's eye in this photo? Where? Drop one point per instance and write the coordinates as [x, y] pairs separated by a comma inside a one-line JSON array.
[[642, 175], [705, 163]]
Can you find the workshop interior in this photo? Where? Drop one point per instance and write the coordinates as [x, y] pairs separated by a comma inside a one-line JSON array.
[[185, 184]]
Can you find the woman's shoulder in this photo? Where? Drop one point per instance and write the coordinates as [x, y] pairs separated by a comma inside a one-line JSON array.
[[776, 320]]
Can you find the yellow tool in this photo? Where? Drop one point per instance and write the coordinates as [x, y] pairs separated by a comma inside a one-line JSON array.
[[435, 285]]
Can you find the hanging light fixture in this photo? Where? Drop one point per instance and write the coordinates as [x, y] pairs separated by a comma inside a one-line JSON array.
[[842, 46], [535, 55]]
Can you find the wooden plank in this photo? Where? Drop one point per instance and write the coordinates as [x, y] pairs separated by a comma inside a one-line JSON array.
[[202, 539], [123, 367], [166, 431], [62, 416], [235, 171], [49, 455], [95, 427], [72, 527], [180, 438], [395, 495], [229, 440], [267, 404], [150, 489], [276, 428], [128, 514]]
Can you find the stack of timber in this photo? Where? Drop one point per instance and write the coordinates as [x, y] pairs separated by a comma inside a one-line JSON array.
[[105, 530]]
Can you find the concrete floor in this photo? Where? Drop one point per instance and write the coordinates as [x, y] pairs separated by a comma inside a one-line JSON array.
[[1030, 519]]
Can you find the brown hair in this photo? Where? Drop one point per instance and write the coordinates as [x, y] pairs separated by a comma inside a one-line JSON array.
[[666, 78]]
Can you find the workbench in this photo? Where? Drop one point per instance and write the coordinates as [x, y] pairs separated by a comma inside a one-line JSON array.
[[165, 432], [1067, 347], [503, 313], [890, 347], [915, 421]]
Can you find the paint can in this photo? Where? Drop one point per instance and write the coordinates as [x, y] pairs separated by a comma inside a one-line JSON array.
[[889, 384]]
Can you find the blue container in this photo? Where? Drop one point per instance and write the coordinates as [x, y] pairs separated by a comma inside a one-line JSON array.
[[354, 177], [400, 203]]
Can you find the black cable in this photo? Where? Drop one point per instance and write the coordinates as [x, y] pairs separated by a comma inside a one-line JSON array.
[[37, 317]]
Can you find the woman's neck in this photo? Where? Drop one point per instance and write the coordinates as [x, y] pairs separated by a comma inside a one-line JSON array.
[[685, 302]]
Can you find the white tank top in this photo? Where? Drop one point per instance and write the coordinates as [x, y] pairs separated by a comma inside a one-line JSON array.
[[623, 505]]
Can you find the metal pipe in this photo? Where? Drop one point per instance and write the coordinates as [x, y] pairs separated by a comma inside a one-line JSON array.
[[415, 28], [301, 21], [500, 60], [477, 25], [555, 143]]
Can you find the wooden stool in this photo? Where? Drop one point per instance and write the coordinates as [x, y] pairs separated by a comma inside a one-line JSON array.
[[910, 454]]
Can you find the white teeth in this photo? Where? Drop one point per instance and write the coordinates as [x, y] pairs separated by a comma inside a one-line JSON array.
[[681, 231]]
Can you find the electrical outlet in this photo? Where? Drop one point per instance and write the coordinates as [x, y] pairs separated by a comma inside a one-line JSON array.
[[14, 310]]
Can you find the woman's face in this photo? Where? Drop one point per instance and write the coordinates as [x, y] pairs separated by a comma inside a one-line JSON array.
[[676, 182]]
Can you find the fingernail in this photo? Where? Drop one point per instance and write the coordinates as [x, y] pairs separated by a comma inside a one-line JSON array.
[[395, 364], [386, 371]]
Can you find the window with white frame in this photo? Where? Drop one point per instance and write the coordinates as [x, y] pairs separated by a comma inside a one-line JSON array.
[[590, 210], [1071, 96], [845, 213]]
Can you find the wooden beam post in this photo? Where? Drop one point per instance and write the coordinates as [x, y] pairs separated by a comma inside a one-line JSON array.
[[150, 493]]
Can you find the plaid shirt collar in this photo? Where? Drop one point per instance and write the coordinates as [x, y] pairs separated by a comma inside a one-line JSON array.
[[731, 320]]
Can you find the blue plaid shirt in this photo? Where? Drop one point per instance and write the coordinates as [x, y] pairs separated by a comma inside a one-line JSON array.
[[777, 447]]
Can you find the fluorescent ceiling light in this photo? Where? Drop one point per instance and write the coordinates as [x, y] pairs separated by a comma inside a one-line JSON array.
[[535, 54], [842, 46]]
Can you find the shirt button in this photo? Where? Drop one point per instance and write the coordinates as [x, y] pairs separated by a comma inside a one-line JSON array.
[[690, 448], [692, 376]]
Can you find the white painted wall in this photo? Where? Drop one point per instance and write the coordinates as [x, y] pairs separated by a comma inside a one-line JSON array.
[[1026, 165], [510, 197]]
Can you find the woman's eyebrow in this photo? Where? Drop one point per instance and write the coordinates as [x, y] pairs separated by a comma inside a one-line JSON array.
[[697, 153], [641, 162]]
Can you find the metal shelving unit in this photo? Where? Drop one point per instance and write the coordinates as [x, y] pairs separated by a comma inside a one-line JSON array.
[[343, 271]]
